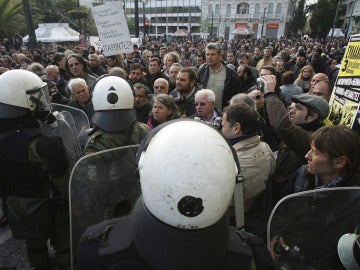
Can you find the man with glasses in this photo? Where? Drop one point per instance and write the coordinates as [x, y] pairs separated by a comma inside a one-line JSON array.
[[205, 108], [161, 86]]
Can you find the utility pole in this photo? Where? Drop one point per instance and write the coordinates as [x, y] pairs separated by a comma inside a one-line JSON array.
[[32, 44], [137, 18], [263, 22], [335, 18]]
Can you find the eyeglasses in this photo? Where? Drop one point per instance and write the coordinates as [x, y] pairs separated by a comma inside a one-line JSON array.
[[201, 104], [158, 86]]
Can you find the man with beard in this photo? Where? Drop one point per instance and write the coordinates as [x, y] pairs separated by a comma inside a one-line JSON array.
[[142, 105], [137, 74], [184, 92], [267, 60], [247, 80]]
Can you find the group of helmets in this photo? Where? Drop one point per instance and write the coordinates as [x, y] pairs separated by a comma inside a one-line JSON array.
[[187, 169]]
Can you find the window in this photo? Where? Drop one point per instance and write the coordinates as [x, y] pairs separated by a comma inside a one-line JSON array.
[[257, 8], [210, 10], [243, 8], [271, 8], [278, 8], [217, 9], [228, 9]]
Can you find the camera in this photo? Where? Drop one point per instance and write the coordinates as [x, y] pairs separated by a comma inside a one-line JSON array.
[[260, 84]]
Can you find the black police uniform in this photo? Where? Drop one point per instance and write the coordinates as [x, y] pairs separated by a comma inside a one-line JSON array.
[[142, 242], [34, 170]]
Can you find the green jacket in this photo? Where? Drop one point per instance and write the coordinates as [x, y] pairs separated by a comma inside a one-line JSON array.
[[102, 140]]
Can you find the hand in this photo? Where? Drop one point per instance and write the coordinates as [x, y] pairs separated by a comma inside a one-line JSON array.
[[273, 241], [269, 82]]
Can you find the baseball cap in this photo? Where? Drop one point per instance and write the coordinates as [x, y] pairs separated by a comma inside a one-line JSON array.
[[316, 103]]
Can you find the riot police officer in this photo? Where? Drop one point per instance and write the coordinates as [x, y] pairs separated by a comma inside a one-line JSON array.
[[114, 117], [34, 170], [180, 221]]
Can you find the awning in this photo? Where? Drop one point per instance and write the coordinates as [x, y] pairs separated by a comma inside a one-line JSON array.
[[242, 32], [55, 32], [179, 33]]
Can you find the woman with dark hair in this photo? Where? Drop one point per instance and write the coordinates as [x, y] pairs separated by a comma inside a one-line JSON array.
[[164, 109], [59, 60], [333, 161]]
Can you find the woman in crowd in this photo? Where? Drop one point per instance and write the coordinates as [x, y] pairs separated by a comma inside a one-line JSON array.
[[333, 161], [169, 59], [164, 109], [304, 78]]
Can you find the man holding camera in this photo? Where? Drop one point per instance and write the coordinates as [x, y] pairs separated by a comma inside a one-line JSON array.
[[293, 127], [184, 92]]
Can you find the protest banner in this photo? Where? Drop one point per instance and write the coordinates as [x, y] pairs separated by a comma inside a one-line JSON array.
[[344, 101], [112, 28]]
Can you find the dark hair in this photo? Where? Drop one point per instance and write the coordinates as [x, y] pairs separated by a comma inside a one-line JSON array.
[[57, 57], [191, 72], [340, 141], [142, 86], [134, 66], [288, 77], [79, 58], [245, 115], [155, 58], [169, 102], [271, 69]]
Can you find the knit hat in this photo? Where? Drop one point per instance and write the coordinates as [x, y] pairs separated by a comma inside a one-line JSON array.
[[316, 103]]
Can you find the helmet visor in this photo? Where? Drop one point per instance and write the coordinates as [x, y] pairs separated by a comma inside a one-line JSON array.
[[39, 99]]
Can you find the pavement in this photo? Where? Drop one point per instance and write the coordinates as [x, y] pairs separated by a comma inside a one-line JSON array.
[[12, 251]]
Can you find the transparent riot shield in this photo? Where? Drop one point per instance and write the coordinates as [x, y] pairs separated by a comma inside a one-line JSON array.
[[79, 117], [65, 131], [102, 186], [304, 228]]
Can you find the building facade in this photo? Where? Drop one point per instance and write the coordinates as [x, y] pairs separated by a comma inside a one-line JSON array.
[[228, 19], [351, 18], [256, 18]]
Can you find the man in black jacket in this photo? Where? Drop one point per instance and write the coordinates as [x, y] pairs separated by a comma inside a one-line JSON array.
[[215, 75]]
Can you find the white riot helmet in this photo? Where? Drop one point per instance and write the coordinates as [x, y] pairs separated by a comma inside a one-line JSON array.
[[23, 91], [187, 173], [113, 103]]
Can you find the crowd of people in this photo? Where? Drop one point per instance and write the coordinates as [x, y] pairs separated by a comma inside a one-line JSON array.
[[268, 98]]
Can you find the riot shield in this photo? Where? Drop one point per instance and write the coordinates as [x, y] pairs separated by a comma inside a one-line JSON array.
[[64, 130], [102, 186], [304, 228], [79, 117]]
